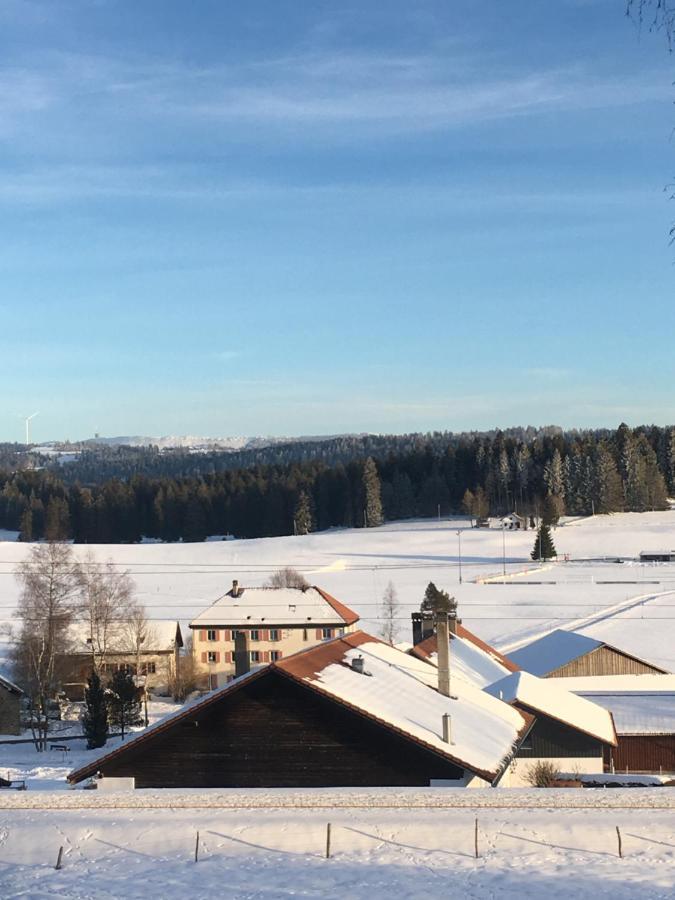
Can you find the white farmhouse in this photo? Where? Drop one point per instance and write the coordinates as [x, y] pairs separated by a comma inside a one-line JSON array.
[[248, 627]]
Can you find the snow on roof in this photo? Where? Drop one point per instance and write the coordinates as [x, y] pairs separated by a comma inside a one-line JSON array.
[[399, 691], [640, 704], [470, 658], [160, 638], [638, 713], [552, 651], [275, 606], [541, 696]]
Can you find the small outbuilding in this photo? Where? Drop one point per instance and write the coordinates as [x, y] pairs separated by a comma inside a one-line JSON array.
[[657, 556]]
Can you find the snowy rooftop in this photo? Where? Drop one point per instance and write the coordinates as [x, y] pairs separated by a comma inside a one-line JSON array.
[[275, 606], [160, 638], [552, 651], [399, 691], [640, 704], [542, 696], [470, 658]]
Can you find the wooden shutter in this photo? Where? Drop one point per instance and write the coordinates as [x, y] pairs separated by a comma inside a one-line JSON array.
[[319, 633], [217, 656], [202, 635], [204, 657], [265, 635], [226, 635], [266, 656]]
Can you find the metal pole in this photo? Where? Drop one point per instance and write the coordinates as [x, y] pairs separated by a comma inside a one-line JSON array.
[[459, 542], [504, 552]]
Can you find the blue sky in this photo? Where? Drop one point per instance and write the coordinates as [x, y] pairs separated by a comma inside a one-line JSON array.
[[316, 217]]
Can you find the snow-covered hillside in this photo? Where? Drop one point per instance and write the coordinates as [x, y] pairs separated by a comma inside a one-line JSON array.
[[177, 581]]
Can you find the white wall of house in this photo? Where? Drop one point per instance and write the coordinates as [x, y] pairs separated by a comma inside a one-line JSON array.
[[213, 648], [516, 774]]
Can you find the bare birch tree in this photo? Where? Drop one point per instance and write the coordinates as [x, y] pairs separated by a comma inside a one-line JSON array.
[[389, 614], [47, 604], [105, 608]]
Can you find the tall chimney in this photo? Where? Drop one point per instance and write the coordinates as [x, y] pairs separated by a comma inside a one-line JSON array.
[[242, 660], [422, 627], [443, 650], [452, 624], [235, 588]]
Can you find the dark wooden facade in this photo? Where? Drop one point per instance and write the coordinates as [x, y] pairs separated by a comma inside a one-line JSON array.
[[604, 661], [274, 732], [642, 753], [550, 739]]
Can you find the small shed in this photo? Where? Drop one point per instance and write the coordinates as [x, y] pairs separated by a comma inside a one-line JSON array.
[[657, 556], [513, 522], [10, 707]]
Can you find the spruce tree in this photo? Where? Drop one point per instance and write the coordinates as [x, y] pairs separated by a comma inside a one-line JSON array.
[[437, 601], [95, 718], [543, 546], [372, 492], [26, 525], [304, 521], [124, 707]]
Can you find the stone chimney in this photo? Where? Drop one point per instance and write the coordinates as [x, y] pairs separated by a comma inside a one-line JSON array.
[[242, 659], [235, 588], [422, 627]]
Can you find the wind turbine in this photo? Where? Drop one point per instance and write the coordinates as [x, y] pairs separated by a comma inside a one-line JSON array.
[[27, 422]]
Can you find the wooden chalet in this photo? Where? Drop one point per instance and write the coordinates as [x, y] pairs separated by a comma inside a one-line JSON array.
[[349, 712], [562, 654]]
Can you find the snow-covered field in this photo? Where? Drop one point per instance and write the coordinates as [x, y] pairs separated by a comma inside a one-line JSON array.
[[177, 581], [375, 853]]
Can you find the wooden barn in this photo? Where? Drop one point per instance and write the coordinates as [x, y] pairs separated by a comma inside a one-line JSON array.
[[572, 732], [351, 712], [643, 709], [568, 654]]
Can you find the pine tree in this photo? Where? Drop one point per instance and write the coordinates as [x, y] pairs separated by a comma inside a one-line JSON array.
[[95, 718], [124, 708], [543, 546], [437, 601], [303, 518], [372, 492], [26, 526]]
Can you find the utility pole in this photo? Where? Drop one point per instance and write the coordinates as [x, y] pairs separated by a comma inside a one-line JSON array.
[[504, 553], [459, 543]]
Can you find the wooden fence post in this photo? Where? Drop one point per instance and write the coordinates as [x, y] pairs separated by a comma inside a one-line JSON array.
[[197, 848], [328, 841], [475, 838], [618, 834], [59, 858]]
